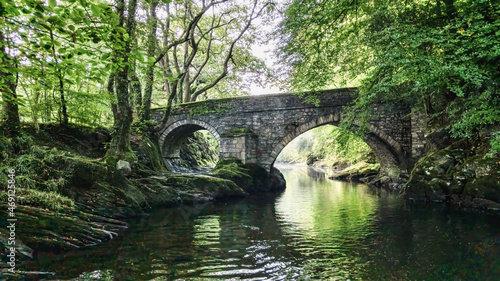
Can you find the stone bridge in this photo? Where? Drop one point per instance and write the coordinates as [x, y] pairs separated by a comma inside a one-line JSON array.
[[255, 129]]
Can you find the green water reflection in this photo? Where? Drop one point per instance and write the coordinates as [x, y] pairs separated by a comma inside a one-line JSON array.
[[327, 222], [318, 229]]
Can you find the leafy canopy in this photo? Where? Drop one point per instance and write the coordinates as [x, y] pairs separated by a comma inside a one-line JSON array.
[[439, 56]]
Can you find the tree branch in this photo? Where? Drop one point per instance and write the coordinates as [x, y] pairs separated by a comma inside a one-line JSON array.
[[230, 53]]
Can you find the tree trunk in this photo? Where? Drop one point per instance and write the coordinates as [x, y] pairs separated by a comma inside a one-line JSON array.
[[60, 76], [148, 90], [120, 144], [8, 85], [65, 119], [135, 89]]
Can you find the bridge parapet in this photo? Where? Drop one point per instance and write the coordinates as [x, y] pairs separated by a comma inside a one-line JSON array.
[[284, 101]]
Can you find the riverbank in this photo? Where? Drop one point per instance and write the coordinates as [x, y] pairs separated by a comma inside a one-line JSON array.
[[464, 173], [69, 196]]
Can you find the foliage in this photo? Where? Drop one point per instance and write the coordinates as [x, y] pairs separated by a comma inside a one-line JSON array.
[[60, 51], [495, 145], [440, 56], [200, 150], [60, 59], [204, 42], [329, 145]]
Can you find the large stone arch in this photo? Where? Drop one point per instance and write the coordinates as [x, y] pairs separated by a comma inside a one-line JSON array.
[[388, 152], [174, 134]]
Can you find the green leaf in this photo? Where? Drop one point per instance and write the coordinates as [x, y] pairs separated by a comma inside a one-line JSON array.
[[52, 3], [166, 1], [96, 10], [71, 27], [105, 56], [140, 57]]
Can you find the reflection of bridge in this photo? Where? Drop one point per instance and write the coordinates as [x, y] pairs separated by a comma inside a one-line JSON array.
[[255, 129]]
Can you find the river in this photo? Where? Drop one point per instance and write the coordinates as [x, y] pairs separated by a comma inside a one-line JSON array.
[[318, 229]]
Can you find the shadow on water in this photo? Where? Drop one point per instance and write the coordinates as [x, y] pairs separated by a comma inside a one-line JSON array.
[[317, 229]]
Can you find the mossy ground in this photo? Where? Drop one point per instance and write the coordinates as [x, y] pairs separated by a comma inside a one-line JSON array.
[[65, 200]]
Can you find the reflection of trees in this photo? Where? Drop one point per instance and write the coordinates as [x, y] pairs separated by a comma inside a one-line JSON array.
[[323, 229], [328, 221], [315, 175]]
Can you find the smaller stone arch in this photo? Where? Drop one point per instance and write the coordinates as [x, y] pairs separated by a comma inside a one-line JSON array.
[[389, 153], [174, 134]]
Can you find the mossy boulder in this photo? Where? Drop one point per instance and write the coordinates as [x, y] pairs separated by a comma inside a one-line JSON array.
[[357, 171], [431, 177], [485, 178], [455, 174], [252, 178]]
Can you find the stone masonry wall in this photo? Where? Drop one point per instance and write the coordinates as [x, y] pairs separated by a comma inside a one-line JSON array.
[[275, 120]]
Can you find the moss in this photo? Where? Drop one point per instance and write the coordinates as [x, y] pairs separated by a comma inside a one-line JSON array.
[[85, 172], [457, 175], [199, 150], [485, 182], [111, 161], [41, 199], [251, 177], [153, 152], [357, 171], [209, 107], [238, 132]]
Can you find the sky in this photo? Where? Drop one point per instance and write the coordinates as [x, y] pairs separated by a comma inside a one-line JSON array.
[[264, 51]]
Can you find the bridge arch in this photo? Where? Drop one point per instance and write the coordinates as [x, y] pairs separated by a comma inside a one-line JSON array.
[[388, 152], [173, 136]]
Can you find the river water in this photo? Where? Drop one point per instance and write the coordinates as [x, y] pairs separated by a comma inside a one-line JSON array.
[[318, 229]]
